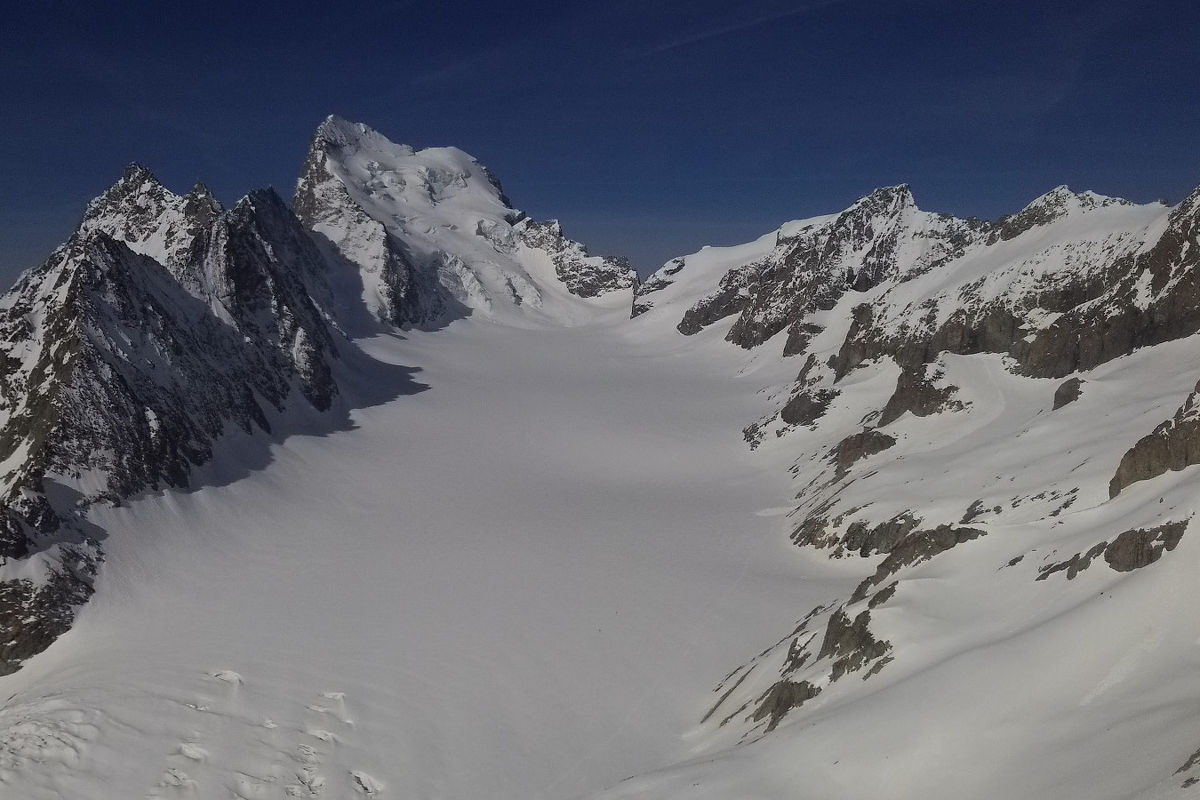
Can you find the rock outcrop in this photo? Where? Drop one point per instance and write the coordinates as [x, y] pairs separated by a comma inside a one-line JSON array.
[[1172, 446]]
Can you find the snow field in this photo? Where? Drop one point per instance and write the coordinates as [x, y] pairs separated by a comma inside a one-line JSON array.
[[507, 585]]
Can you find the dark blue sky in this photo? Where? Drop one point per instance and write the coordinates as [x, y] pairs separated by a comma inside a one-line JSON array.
[[650, 127]]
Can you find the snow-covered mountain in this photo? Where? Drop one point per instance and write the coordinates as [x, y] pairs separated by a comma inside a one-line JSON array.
[[995, 419], [167, 321], [429, 234], [919, 487]]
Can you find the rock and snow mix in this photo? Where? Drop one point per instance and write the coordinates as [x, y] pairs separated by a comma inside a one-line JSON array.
[[401, 493]]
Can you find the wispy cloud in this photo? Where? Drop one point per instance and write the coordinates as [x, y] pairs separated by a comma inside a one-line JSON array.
[[717, 32]]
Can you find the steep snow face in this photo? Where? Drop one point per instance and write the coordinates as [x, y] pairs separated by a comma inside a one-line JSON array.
[[430, 234]]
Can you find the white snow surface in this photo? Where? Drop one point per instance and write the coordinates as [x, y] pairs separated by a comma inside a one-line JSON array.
[[506, 586]]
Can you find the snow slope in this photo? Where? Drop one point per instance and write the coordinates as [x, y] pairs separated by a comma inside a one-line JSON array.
[[505, 585], [1021, 628], [884, 503]]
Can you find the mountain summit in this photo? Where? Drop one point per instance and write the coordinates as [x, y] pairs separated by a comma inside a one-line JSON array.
[[429, 234]]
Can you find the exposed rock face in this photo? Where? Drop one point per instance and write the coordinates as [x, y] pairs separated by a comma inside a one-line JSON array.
[[1149, 297], [1048, 208], [881, 538], [859, 446], [1173, 445], [33, 616], [915, 547], [1140, 548], [253, 266], [1130, 550], [1054, 323], [1188, 765], [846, 646], [656, 283], [730, 297], [264, 271], [850, 644], [1073, 565], [153, 220], [782, 698], [917, 394], [806, 407], [1067, 392], [583, 275]]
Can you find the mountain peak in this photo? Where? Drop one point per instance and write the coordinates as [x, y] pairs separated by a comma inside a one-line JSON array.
[[265, 197], [136, 173], [1055, 204], [432, 229], [1058, 197], [338, 133], [900, 190], [1064, 196], [897, 197], [201, 191]]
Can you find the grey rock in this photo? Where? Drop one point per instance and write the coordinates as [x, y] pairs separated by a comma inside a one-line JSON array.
[[916, 547], [1067, 392], [782, 698], [582, 274], [1072, 566], [1130, 550], [858, 446], [880, 538], [850, 643], [132, 369], [1173, 445], [807, 406], [732, 295], [1139, 548], [915, 394]]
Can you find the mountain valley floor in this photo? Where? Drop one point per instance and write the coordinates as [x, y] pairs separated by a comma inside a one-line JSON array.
[[523, 582]]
